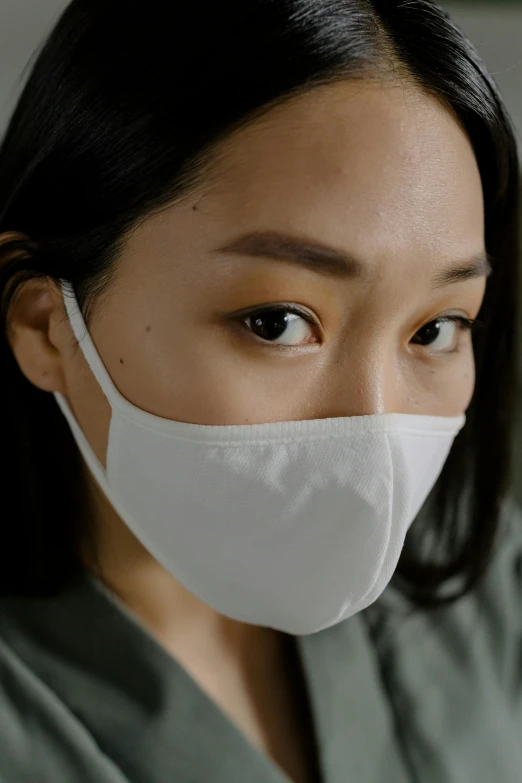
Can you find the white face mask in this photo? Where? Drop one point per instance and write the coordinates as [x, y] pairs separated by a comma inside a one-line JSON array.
[[294, 525]]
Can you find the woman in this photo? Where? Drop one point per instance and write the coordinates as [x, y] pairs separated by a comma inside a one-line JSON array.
[[258, 274]]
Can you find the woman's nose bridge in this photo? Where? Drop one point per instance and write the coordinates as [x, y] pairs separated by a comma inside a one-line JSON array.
[[373, 388], [368, 382]]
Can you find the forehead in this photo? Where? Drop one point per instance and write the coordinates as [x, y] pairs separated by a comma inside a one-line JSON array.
[[380, 165]]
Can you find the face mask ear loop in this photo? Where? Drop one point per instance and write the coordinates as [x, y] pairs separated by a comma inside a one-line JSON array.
[[86, 450], [93, 463], [88, 348]]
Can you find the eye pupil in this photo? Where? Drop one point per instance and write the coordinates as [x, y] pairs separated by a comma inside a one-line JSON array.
[[428, 334], [271, 325]]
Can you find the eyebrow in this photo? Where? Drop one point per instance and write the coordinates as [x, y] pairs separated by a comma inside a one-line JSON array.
[[331, 262]]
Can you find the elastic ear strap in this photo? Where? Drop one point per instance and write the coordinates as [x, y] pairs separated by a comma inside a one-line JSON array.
[[89, 456], [83, 444], [87, 346]]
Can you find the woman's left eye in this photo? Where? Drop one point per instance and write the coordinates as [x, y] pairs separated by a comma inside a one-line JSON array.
[[441, 334], [282, 325]]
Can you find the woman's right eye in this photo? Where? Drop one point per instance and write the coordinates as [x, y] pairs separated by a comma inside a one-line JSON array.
[[282, 325]]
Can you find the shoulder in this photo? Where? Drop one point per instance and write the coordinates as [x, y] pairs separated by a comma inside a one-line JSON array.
[[454, 674], [498, 599], [16, 712], [41, 739], [480, 635]]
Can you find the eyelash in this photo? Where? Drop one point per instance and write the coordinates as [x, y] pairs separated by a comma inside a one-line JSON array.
[[467, 324], [277, 308]]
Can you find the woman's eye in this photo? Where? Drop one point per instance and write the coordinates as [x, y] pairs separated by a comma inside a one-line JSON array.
[[441, 334], [282, 325]]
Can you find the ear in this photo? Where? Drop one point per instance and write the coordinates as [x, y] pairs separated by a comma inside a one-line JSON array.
[[36, 327]]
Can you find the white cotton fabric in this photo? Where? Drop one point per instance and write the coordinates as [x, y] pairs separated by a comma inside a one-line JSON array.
[[293, 525]]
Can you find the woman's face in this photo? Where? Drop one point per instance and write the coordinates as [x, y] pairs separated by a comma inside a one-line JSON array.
[[315, 276]]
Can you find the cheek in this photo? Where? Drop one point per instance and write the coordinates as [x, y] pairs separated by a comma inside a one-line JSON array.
[[222, 383], [463, 385], [448, 390], [460, 392], [466, 386]]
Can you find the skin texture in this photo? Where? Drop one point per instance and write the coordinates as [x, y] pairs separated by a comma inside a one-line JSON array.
[[383, 172]]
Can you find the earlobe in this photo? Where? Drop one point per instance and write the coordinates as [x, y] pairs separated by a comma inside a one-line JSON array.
[[31, 332]]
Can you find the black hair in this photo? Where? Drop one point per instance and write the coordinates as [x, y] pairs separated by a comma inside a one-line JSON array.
[[121, 115]]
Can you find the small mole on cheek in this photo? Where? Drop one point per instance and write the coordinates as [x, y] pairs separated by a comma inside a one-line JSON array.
[[194, 207], [147, 329], [121, 361]]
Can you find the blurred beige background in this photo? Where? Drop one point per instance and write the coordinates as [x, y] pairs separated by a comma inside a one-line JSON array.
[[495, 27]]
